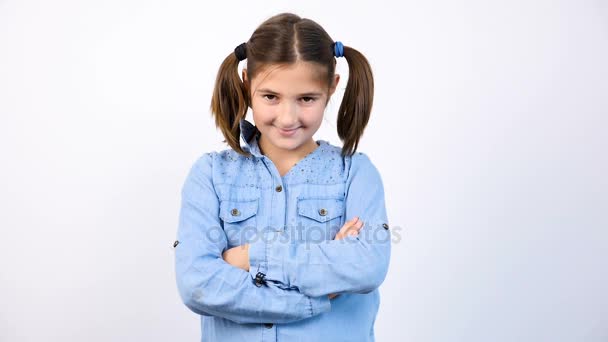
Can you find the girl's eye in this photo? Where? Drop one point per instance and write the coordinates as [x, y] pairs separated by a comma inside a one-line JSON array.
[[305, 99]]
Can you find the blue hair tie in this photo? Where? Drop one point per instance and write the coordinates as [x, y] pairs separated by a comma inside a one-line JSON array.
[[338, 49]]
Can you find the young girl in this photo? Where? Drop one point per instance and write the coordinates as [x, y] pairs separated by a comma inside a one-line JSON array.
[[283, 237]]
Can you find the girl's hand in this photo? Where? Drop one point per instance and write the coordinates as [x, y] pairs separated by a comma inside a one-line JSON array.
[[350, 228], [238, 256]]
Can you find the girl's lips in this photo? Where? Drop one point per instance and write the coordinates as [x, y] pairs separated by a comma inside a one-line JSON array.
[[287, 133]]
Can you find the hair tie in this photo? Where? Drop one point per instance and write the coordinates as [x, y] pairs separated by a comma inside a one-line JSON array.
[[338, 49], [241, 51]]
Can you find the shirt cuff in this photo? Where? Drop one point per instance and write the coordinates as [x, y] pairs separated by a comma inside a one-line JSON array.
[[319, 305], [257, 257], [268, 257], [278, 262]]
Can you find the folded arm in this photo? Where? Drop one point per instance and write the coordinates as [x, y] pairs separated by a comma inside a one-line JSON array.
[[356, 264], [210, 286]]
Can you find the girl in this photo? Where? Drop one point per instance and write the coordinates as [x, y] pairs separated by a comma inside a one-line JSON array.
[[283, 237]]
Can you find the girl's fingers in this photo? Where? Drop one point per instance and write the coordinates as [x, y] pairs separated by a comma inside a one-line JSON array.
[[349, 224], [354, 229], [342, 232], [350, 228], [357, 226]]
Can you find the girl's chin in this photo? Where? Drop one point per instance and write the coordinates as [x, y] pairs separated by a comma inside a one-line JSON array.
[[286, 143]]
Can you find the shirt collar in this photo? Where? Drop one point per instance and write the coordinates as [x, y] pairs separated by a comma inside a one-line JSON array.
[[249, 138]]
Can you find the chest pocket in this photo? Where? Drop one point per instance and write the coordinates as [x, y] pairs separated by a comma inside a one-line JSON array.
[[320, 218], [239, 218]]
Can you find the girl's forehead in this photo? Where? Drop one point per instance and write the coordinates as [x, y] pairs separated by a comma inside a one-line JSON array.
[[289, 78]]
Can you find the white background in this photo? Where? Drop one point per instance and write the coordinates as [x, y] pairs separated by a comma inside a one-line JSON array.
[[489, 128]]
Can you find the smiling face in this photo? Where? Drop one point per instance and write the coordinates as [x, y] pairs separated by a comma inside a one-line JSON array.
[[288, 104]]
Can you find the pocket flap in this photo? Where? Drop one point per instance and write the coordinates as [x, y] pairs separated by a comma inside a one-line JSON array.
[[321, 210], [235, 211]]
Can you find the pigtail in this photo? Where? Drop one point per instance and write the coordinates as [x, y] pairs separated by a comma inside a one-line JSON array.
[[356, 105], [229, 102]]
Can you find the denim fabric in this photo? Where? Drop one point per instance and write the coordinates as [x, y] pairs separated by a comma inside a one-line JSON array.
[[290, 223]]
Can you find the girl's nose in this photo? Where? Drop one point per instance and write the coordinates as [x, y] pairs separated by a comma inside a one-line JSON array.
[[288, 117]]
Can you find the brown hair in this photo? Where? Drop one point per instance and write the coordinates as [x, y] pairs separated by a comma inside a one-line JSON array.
[[285, 39]]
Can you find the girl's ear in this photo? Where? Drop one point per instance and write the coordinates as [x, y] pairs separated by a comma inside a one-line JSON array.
[[334, 85], [245, 80]]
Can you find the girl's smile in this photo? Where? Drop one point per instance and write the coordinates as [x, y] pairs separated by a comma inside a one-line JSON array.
[[287, 132], [288, 104]]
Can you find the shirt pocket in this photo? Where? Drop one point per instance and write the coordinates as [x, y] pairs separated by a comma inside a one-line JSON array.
[[320, 218], [239, 219]]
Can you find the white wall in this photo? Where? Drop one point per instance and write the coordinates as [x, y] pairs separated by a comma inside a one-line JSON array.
[[489, 128]]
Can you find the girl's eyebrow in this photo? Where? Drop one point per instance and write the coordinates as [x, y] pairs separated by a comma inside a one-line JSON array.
[[268, 91]]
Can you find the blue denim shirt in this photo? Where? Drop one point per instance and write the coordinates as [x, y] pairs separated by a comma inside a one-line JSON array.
[[290, 223]]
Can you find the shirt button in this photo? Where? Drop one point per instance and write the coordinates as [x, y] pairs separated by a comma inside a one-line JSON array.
[[234, 212], [279, 188], [259, 279], [385, 225], [322, 211], [268, 325]]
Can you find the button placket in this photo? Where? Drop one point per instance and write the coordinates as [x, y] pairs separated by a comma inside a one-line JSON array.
[[277, 209]]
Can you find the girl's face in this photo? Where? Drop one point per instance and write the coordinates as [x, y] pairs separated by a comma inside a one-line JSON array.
[[288, 104]]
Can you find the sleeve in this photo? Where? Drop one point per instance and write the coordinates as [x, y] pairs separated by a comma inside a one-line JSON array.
[[356, 264], [210, 286]]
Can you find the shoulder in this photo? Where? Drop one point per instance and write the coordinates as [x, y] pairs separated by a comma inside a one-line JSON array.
[[226, 167], [203, 164], [361, 168], [210, 167], [358, 162], [209, 161], [199, 173], [359, 159]]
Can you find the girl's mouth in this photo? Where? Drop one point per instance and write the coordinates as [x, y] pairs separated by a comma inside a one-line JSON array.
[[287, 132]]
